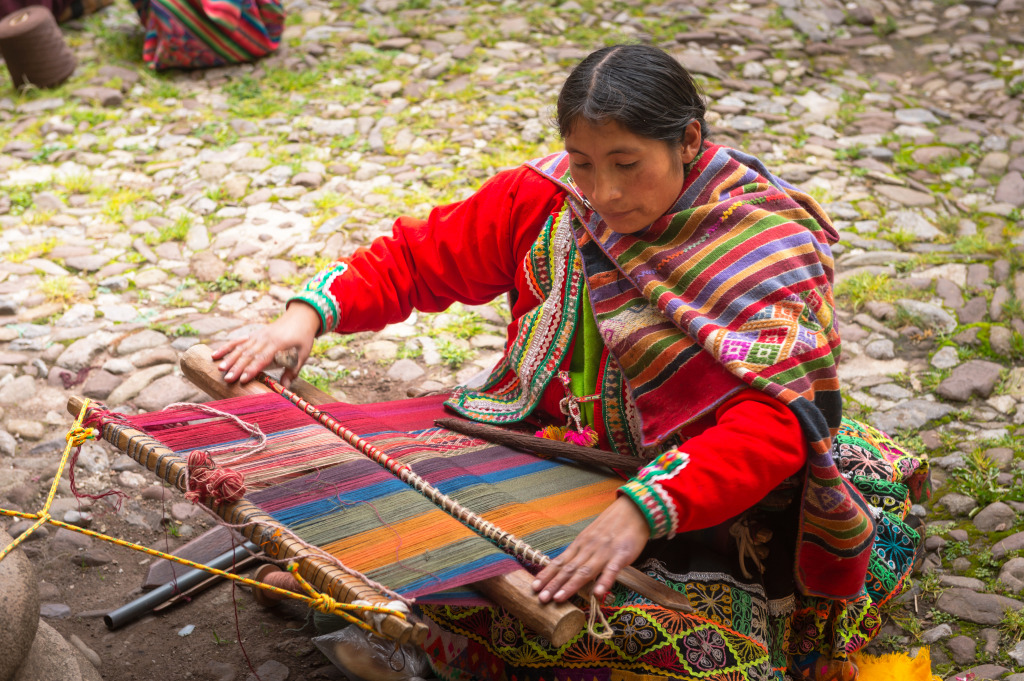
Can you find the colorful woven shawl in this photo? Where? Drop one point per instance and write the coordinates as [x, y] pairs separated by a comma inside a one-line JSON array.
[[740, 271], [192, 34]]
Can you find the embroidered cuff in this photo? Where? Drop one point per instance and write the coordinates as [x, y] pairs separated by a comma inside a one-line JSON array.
[[652, 498], [317, 294]]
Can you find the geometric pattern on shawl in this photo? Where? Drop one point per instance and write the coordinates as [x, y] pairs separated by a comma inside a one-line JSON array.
[[740, 270], [206, 33]]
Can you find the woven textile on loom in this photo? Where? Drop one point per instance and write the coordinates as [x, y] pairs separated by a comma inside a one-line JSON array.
[[332, 496]]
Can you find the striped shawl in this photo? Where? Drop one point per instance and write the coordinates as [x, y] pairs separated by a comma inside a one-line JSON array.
[[739, 272]]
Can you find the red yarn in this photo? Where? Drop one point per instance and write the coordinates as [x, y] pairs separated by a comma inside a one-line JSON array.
[[206, 481]]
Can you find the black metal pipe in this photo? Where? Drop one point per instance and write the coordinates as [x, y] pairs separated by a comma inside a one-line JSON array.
[[116, 619]]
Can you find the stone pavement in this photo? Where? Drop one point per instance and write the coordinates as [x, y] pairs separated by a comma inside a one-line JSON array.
[[144, 213]]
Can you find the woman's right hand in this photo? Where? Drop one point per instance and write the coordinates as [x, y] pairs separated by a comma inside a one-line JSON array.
[[296, 329]]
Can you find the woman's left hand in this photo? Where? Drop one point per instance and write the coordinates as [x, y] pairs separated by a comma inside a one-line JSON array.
[[608, 544]]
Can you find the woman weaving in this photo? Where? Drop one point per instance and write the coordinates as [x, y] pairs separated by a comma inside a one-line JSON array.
[[674, 298]]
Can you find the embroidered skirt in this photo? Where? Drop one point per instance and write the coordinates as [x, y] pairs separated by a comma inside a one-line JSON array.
[[744, 629]]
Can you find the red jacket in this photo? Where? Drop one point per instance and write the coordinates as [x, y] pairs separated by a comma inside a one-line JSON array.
[[473, 251]]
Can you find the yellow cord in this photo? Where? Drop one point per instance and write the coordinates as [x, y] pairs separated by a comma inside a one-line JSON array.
[[78, 436]]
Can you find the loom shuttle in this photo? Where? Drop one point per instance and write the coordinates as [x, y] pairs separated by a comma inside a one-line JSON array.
[[115, 619]]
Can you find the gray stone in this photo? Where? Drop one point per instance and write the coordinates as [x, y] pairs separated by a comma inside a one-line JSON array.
[[1002, 457], [1017, 654], [83, 351], [963, 649], [946, 358], [1000, 298], [882, 348], [1011, 189], [976, 377], [20, 390], [55, 611], [974, 311], [950, 292], [1012, 574], [890, 391], [984, 672], [909, 415], [19, 601], [931, 315], [914, 224], [962, 582], [380, 351], [92, 558], [995, 517], [50, 658], [916, 116], [308, 180], [136, 383], [977, 607], [141, 340], [957, 504], [154, 356], [207, 267], [271, 670], [220, 671], [29, 429], [8, 445], [936, 634], [405, 370], [100, 384], [1000, 339], [165, 391], [904, 196]]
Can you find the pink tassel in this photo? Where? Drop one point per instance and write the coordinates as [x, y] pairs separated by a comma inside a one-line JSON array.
[[585, 438]]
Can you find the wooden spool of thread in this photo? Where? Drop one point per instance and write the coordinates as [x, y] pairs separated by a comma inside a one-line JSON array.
[[34, 48]]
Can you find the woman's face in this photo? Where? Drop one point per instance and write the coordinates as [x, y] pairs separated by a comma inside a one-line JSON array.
[[630, 180]]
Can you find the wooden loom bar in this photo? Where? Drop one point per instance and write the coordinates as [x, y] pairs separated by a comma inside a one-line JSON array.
[[260, 528], [558, 622]]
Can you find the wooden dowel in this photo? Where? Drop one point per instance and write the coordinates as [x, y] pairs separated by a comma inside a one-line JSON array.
[[532, 444], [261, 528], [558, 622]]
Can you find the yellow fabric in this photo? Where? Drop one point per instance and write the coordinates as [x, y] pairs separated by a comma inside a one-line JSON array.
[[895, 667]]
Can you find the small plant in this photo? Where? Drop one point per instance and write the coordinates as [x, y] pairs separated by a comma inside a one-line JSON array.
[[186, 330], [176, 231], [956, 549], [1012, 624], [941, 617], [58, 290], [452, 354], [409, 351], [35, 250], [220, 641], [856, 291], [226, 283], [888, 27], [978, 479]]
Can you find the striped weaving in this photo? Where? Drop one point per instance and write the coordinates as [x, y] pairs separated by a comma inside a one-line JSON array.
[[739, 272], [208, 33], [332, 496]]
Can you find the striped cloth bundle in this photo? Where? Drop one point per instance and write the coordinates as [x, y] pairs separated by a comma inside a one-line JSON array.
[[191, 34], [332, 496]]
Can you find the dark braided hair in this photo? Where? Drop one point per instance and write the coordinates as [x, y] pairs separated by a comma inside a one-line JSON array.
[[640, 87]]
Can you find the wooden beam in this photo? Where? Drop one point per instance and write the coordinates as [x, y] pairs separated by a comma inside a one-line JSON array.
[[558, 622]]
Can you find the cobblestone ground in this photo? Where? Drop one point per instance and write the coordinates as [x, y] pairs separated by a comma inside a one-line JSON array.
[[144, 213]]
